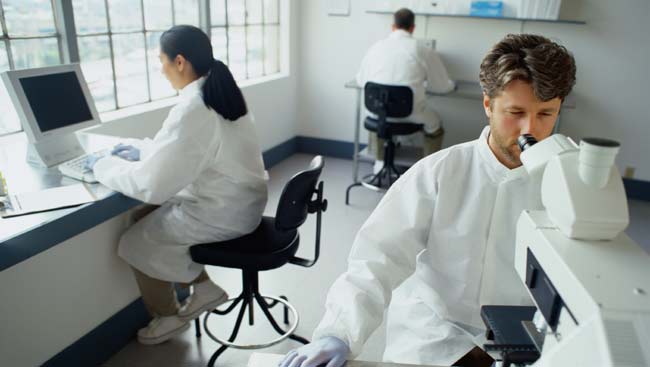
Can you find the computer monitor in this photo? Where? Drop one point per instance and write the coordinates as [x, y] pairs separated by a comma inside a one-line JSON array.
[[52, 103]]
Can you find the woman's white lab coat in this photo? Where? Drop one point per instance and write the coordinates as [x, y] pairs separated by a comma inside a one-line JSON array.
[[447, 227], [208, 176]]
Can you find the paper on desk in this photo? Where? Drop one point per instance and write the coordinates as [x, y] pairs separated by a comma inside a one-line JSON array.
[[264, 360], [48, 199]]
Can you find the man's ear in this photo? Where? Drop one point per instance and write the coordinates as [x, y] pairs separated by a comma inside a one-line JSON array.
[[486, 106]]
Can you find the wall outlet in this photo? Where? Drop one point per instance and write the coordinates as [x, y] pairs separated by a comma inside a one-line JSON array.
[[629, 172]]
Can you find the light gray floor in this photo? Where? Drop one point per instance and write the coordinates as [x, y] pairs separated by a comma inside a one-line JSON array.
[[306, 288]]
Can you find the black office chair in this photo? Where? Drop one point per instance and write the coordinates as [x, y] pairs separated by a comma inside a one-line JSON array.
[[386, 101], [273, 244]]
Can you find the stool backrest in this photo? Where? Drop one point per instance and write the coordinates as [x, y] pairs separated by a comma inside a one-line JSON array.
[[296, 196], [388, 100]]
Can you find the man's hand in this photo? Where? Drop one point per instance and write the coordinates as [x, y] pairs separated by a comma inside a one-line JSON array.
[[330, 350], [91, 160], [128, 152]]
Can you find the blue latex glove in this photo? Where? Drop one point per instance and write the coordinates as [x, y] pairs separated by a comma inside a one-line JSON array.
[[128, 152], [330, 350], [92, 160]]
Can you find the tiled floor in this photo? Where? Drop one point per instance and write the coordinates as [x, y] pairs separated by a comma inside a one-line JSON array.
[[306, 288]]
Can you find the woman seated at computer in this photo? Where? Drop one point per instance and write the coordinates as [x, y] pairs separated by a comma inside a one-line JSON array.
[[204, 168]]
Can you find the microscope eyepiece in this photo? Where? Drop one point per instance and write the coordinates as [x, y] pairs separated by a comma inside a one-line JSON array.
[[526, 141]]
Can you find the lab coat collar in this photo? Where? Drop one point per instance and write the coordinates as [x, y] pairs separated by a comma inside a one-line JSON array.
[[192, 88], [495, 169], [400, 33]]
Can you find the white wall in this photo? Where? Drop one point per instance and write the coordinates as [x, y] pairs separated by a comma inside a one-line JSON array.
[[612, 52]]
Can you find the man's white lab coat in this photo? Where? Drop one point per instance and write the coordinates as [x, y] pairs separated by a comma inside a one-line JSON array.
[[447, 228], [400, 60]]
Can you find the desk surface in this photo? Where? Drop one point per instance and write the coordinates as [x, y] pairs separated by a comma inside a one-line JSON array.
[[272, 360], [467, 89], [25, 236]]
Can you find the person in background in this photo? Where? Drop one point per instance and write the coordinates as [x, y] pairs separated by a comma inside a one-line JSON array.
[[446, 228], [400, 60], [204, 174]]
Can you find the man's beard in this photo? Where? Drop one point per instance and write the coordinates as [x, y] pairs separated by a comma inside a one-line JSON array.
[[508, 149]]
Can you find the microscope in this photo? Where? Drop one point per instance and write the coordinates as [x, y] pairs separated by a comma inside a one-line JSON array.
[[589, 281]]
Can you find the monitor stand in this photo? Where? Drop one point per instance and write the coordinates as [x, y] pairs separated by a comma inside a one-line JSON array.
[[54, 150]]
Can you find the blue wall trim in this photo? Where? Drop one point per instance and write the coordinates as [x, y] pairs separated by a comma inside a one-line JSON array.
[[637, 189], [100, 344], [280, 152], [326, 147]]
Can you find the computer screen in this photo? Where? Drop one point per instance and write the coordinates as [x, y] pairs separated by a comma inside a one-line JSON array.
[[56, 100]]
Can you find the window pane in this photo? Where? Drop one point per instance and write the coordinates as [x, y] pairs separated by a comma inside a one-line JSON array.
[[8, 118], [158, 14], [126, 15], [271, 49], [217, 12], [220, 44], [130, 69], [89, 16], [160, 86], [187, 12], [236, 12], [271, 11], [254, 44], [95, 57], [33, 53], [29, 17], [254, 11], [237, 52]]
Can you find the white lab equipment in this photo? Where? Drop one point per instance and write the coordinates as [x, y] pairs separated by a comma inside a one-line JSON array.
[[52, 103], [207, 174], [590, 282]]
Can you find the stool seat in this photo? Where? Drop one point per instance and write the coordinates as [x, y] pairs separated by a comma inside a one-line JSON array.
[[393, 128], [264, 249]]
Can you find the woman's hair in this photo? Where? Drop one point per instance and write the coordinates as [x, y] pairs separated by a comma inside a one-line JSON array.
[[220, 92], [547, 66]]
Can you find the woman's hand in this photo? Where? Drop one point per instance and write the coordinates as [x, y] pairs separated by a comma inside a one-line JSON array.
[[128, 152]]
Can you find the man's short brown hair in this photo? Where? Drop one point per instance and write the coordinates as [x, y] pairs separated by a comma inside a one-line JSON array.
[[404, 19], [547, 66]]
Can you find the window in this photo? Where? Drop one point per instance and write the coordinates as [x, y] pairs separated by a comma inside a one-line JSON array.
[[118, 47], [29, 39], [117, 43], [245, 36]]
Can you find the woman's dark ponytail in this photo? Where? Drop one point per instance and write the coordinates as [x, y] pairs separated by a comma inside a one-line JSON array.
[[220, 91]]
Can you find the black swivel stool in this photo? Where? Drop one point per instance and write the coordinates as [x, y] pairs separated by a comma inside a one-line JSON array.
[[386, 101], [273, 244]]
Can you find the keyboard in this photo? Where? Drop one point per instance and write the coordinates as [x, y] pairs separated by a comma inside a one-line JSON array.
[[75, 168]]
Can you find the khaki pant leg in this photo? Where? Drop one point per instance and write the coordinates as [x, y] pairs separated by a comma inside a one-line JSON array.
[[159, 296], [377, 146], [432, 142], [199, 279]]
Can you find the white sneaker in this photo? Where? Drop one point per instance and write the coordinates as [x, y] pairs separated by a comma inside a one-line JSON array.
[[161, 329], [206, 296], [377, 167]]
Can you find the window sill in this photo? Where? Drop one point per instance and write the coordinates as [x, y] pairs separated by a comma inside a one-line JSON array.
[[170, 101]]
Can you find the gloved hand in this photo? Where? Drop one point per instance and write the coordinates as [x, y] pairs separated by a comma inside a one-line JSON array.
[[330, 350], [92, 160], [128, 152]]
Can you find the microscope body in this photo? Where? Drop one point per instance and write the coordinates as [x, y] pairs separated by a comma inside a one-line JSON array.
[[589, 281]]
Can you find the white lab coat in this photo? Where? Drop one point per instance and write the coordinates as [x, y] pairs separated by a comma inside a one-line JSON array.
[[400, 60], [208, 176], [448, 225]]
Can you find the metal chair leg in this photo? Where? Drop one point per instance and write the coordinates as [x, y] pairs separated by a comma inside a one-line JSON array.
[[286, 311], [197, 327], [233, 335], [274, 324]]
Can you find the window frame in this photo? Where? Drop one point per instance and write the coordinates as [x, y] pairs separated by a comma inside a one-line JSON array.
[[66, 37]]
